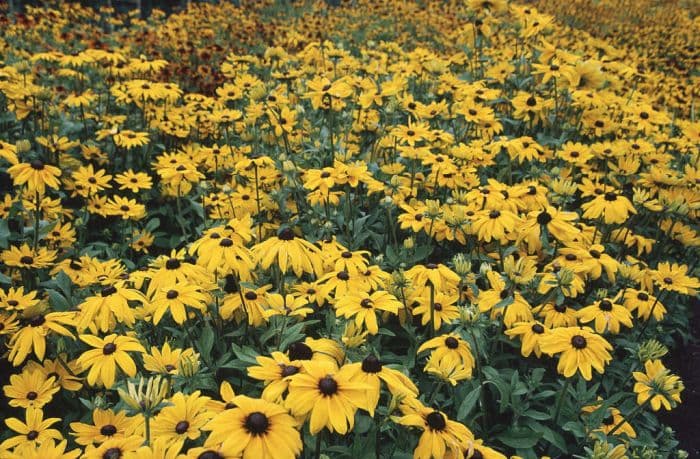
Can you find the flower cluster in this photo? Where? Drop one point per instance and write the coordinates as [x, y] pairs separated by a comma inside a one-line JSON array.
[[389, 228]]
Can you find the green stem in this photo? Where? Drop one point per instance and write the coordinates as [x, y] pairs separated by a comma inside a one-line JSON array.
[[432, 308], [317, 449], [147, 423], [629, 417], [560, 400]]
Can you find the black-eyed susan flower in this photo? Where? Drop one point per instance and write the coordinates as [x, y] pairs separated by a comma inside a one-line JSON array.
[[108, 353], [116, 447], [35, 430], [530, 334], [451, 348], [606, 315], [112, 303], [442, 310], [31, 388], [31, 338], [274, 371], [130, 139], [673, 277], [645, 304], [327, 396], [579, 348], [165, 360], [362, 307], [125, 208], [611, 207], [256, 428], [36, 175], [440, 436], [183, 419], [17, 299], [133, 181], [657, 386], [88, 181], [372, 372], [105, 424], [177, 299], [28, 258], [286, 251], [612, 420]]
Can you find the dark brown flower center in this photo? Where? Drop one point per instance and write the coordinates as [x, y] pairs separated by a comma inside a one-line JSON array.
[[343, 275], [642, 296], [605, 305], [226, 242], [37, 320], [109, 348], [531, 101], [537, 328], [172, 294], [288, 370], [37, 165], [109, 290], [182, 427], [251, 296], [112, 453], [451, 342], [610, 196], [579, 342], [108, 430], [371, 364], [494, 214], [328, 386], [257, 423], [543, 218], [210, 455], [172, 263], [436, 421], [366, 303], [26, 260], [286, 234], [300, 351]]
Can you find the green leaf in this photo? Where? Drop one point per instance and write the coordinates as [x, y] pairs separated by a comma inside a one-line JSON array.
[[520, 437], [538, 415], [468, 403], [4, 234], [554, 438], [206, 342], [58, 301]]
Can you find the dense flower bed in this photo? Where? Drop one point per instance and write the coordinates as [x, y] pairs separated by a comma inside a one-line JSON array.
[[388, 229]]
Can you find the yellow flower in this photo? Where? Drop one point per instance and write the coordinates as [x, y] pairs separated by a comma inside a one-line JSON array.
[[327, 396], [580, 350], [36, 175], [31, 388], [34, 431], [256, 428], [657, 386], [181, 420], [108, 352], [363, 307], [440, 434]]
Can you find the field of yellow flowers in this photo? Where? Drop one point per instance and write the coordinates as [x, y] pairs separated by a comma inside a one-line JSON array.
[[384, 229]]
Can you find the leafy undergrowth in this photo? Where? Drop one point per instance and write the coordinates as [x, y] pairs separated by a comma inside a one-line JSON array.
[[385, 229]]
